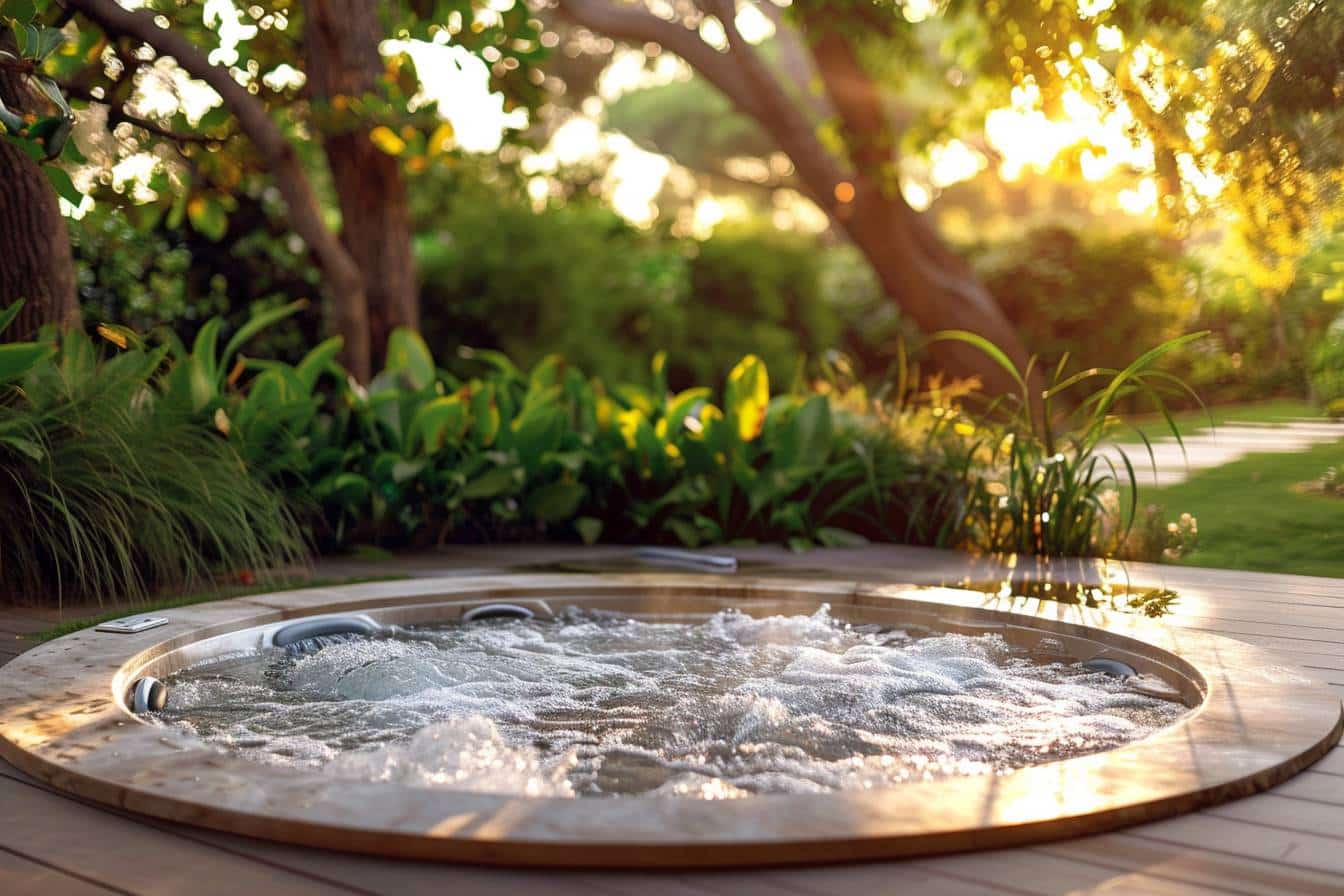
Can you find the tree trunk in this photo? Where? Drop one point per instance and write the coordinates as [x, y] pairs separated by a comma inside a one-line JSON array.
[[341, 39], [342, 281], [925, 278], [35, 260]]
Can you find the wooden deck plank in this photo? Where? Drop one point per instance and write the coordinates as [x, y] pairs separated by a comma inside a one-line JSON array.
[[1290, 849], [1040, 873], [62, 833], [1289, 813], [22, 877], [1127, 853]]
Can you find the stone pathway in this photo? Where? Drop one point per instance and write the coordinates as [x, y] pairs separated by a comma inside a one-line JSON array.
[[1215, 447]]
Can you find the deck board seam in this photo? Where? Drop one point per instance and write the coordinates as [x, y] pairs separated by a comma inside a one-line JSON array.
[[66, 871], [1141, 834]]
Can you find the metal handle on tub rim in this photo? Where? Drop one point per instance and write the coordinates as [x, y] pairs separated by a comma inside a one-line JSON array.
[[689, 559]]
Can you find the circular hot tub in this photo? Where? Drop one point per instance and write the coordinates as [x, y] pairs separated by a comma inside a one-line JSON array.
[[653, 720]]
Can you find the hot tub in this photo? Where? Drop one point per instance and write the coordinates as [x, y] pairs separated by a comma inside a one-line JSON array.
[[811, 760]]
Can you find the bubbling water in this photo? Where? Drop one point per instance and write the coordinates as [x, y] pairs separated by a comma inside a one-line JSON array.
[[594, 704]]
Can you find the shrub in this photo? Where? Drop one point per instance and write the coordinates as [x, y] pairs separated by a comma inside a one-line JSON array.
[[575, 279], [1039, 483], [1091, 295], [422, 455], [1327, 370], [108, 491]]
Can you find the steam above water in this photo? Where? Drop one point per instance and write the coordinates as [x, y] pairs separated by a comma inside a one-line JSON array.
[[596, 704]]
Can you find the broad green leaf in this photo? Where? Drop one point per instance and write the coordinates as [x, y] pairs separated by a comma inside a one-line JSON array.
[[320, 359], [64, 186], [409, 357], [255, 324], [492, 483], [437, 423], [17, 358], [557, 501], [813, 432]]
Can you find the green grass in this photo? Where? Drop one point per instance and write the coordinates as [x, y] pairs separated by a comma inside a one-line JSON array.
[[1251, 518], [198, 597], [1276, 411]]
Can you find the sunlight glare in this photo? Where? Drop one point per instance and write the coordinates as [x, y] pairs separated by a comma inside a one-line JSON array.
[[459, 82]]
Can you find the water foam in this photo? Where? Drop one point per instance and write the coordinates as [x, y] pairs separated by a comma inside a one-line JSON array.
[[721, 708]]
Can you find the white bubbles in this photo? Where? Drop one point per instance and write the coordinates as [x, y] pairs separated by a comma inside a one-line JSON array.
[[594, 704]]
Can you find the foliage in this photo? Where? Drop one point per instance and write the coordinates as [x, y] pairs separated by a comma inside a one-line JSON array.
[[1327, 369], [1090, 294], [501, 454], [44, 138], [1046, 489], [110, 489], [575, 279], [150, 274], [261, 45]]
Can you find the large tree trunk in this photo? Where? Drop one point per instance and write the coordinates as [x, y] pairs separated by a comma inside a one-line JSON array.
[[341, 39], [35, 260], [929, 281]]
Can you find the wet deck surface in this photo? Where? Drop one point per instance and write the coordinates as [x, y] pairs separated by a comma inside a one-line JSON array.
[[1289, 840]]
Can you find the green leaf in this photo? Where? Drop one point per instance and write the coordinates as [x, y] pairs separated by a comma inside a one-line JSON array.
[[64, 186], [995, 353], [833, 537], [589, 529], [557, 501], [17, 358], [747, 396], [207, 215], [21, 11], [813, 433], [25, 446], [349, 489], [491, 483], [258, 322], [409, 357], [7, 315], [320, 359], [437, 423]]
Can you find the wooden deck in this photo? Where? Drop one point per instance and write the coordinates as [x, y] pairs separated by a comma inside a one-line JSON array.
[[1290, 840]]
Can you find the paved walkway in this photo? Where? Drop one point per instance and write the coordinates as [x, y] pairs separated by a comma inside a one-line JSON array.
[[1287, 841], [1215, 447]]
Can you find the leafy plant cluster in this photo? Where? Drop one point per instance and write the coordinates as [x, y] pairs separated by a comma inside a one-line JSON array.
[[165, 463], [422, 455], [109, 484]]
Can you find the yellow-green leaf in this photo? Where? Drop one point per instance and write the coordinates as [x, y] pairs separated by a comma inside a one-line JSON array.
[[748, 395], [387, 140]]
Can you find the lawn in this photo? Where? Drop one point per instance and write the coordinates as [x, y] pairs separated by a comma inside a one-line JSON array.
[[1251, 518]]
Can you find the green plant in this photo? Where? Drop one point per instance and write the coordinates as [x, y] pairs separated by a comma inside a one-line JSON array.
[[1327, 369], [1043, 487], [424, 455], [109, 491]]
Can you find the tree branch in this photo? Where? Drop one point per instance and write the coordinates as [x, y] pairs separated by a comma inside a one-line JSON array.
[[117, 114], [633, 23], [342, 275]]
